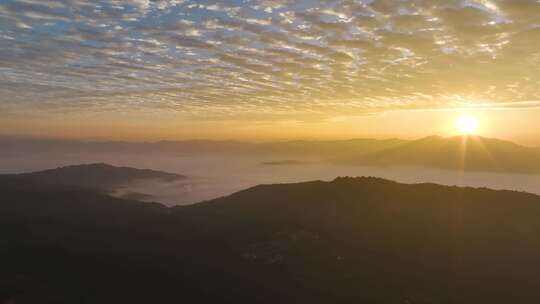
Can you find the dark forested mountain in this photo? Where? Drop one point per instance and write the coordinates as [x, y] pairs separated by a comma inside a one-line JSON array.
[[352, 240], [91, 176], [470, 153]]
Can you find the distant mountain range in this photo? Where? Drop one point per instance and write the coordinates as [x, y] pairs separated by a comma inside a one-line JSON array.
[[103, 177], [468, 153], [299, 147], [352, 240]]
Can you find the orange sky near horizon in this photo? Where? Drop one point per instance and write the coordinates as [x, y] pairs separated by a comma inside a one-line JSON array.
[[518, 125]]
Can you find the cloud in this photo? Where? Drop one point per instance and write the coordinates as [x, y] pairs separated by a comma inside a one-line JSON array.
[[267, 57]]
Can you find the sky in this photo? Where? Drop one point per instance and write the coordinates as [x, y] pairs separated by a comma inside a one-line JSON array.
[[268, 69]]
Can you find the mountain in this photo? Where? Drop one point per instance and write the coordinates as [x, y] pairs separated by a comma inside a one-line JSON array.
[[100, 176], [469, 153], [351, 240]]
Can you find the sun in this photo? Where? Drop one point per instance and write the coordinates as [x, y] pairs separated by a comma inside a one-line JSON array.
[[467, 124]]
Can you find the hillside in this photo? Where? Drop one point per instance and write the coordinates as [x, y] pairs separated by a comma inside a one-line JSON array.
[[351, 240]]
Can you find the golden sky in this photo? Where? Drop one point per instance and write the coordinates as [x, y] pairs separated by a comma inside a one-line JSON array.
[[268, 69]]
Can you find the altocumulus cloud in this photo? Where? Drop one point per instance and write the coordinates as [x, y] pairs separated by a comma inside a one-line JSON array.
[[270, 57]]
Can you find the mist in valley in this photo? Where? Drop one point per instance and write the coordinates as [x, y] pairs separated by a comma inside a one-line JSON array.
[[212, 175]]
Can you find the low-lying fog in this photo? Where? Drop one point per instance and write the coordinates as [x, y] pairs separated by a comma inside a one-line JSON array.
[[212, 175]]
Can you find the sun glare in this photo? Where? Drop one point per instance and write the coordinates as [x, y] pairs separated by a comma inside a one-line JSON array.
[[467, 124]]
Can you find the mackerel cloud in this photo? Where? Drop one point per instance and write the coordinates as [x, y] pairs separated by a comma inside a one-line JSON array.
[[273, 57]]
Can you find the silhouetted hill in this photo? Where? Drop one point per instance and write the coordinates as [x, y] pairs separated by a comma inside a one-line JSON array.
[[352, 240], [92, 176], [470, 153]]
